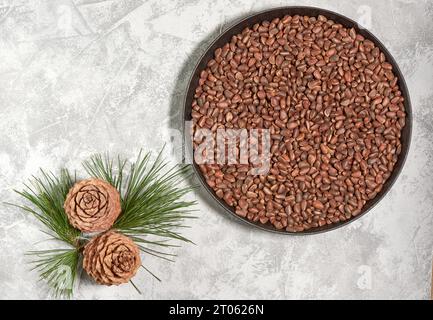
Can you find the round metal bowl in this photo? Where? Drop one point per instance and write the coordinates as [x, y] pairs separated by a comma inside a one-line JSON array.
[[303, 11]]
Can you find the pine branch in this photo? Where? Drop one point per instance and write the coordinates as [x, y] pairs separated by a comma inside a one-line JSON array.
[[47, 194], [153, 212], [151, 197], [58, 268]]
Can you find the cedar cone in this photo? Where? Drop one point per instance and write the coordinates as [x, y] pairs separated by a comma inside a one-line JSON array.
[[111, 258], [92, 205]]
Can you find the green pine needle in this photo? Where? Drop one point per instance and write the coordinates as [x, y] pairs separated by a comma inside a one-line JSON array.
[[58, 268], [48, 194], [151, 198]]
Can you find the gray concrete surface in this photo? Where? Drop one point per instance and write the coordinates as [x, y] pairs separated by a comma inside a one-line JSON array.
[[85, 76]]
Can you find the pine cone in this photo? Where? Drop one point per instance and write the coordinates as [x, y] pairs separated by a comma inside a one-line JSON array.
[[111, 258], [92, 205]]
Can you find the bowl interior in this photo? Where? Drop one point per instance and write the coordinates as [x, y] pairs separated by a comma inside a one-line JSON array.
[[305, 11]]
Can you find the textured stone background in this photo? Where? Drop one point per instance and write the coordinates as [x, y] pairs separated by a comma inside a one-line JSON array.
[[84, 76]]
